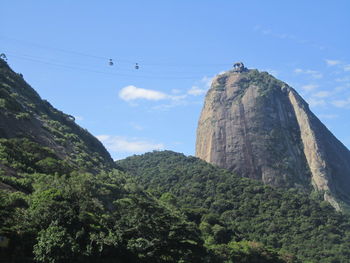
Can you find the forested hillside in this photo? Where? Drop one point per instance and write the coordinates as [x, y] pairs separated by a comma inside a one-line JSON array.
[[93, 218], [27, 121], [228, 208], [62, 201]]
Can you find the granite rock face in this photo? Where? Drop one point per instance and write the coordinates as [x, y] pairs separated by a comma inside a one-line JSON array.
[[259, 127]]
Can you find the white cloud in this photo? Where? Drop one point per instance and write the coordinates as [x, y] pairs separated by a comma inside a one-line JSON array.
[[196, 91], [340, 88], [175, 91], [208, 80], [172, 104], [178, 97], [341, 103], [122, 144], [316, 102], [201, 86], [287, 37], [343, 79], [322, 94], [269, 32], [313, 73], [136, 126], [347, 68], [328, 116], [309, 87], [130, 93], [331, 62]]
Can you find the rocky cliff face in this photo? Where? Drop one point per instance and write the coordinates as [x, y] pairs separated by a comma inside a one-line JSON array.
[[259, 127]]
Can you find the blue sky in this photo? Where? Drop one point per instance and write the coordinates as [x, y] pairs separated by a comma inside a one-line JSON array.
[[62, 48]]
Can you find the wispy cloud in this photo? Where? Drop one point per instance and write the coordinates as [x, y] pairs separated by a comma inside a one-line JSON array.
[[175, 91], [270, 32], [309, 87], [320, 98], [316, 98], [341, 88], [328, 116], [313, 73], [171, 104], [196, 91], [332, 62], [340, 64], [201, 86], [313, 102], [287, 36], [343, 79], [136, 126], [206, 81], [343, 103], [121, 144], [346, 68], [322, 94]]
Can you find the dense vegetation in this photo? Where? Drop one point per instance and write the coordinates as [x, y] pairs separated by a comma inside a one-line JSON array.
[[93, 218], [58, 215], [227, 208], [23, 114]]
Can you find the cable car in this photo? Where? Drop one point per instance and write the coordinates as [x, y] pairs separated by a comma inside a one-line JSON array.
[[111, 62], [137, 66]]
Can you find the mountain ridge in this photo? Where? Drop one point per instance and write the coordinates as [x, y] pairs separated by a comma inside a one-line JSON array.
[[25, 115], [261, 128]]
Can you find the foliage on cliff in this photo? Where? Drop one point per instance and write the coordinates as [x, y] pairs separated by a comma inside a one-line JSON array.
[[228, 208], [23, 114]]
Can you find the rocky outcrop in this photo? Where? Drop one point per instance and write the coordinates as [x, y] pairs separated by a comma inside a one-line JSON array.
[[259, 127]]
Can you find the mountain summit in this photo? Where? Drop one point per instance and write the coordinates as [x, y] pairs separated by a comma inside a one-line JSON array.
[[261, 128]]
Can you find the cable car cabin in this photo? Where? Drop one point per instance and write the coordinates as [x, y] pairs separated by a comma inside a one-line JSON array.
[[137, 66], [110, 62]]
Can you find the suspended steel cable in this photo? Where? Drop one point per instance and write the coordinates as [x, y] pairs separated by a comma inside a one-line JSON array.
[[99, 71], [116, 59], [158, 72]]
